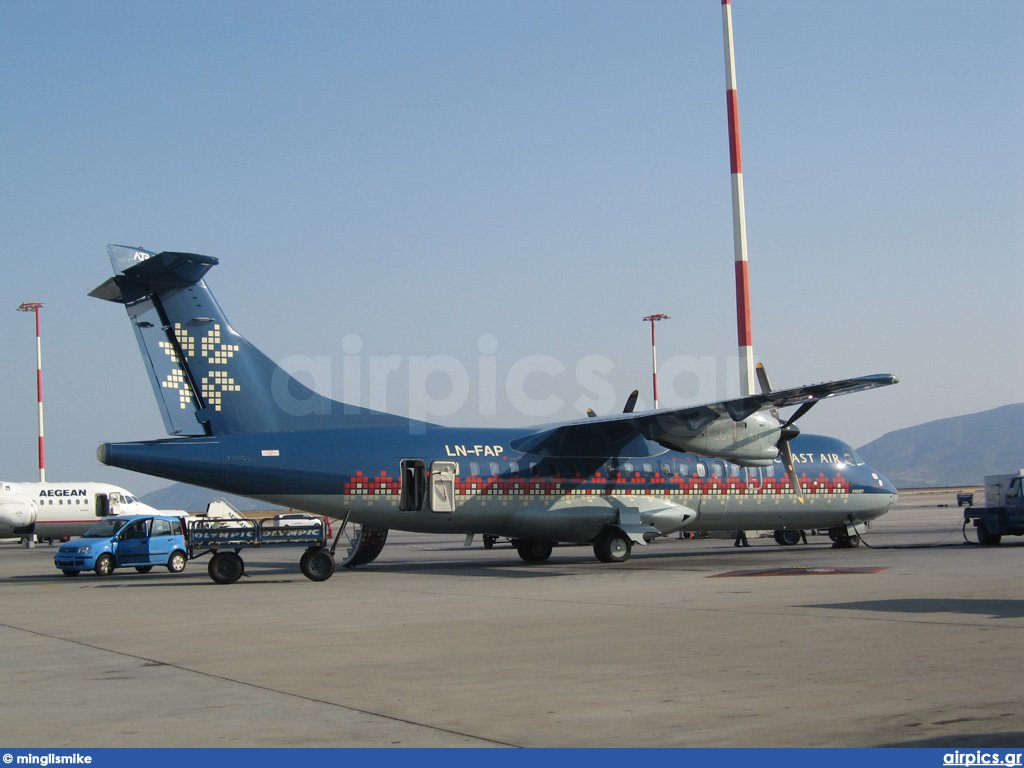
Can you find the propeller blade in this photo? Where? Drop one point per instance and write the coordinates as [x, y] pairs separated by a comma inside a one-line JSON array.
[[801, 411], [786, 454], [766, 386], [631, 401]]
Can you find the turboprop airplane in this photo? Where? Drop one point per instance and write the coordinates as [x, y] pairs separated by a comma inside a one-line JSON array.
[[241, 424], [60, 510]]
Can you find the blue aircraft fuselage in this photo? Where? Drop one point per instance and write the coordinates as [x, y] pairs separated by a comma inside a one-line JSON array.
[[495, 487]]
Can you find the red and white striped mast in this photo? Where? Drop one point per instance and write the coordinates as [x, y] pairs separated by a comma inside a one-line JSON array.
[[35, 306], [652, 319], [739, 220]]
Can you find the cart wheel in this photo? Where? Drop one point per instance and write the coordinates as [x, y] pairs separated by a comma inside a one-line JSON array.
[[317, 566], [226, 567]]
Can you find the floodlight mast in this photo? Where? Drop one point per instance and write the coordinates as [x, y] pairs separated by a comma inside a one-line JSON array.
[[739, 220], [652, 319], [35, 306]]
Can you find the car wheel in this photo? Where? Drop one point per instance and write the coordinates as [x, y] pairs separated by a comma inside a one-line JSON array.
[[176, 562], [104, 565], [986, 538]]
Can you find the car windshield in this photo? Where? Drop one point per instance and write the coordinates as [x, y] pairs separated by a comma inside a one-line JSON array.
[[105, 529]]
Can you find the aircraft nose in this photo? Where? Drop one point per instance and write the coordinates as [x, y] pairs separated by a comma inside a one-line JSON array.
[[885, 488]]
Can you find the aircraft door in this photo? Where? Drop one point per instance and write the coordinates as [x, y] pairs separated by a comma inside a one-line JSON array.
[[161, 542], [102, 505], [442, 486], [414, 485]]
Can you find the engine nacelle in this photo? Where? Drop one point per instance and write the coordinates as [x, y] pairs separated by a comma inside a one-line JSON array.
[[17, 512], [752, 442]]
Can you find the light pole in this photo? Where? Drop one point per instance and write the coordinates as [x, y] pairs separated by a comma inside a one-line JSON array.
[[35, 306], [652, 319]]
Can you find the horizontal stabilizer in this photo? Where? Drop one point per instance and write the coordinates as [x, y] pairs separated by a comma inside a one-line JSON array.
[[207, 378]]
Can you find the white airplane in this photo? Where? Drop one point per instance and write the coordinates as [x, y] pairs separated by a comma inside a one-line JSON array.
[[59, 510]]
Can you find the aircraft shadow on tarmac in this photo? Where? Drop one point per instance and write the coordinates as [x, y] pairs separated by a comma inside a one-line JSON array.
[[994, 609]]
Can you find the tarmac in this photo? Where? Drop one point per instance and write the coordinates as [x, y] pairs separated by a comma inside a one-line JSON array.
[[911, 640]]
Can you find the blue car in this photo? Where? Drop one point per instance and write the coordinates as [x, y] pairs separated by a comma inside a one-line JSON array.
[[118, 542]]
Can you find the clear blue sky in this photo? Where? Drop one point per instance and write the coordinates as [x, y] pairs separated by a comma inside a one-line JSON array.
[[511, 187]]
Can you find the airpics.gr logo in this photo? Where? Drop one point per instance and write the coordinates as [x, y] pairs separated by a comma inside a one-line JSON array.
[[216, 382]]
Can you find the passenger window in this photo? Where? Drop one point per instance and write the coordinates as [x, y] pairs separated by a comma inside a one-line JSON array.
[[628, 468], [717, 469], [666, 470], [513, 467], [474, 468], [572, 469], [702, 469], [534, 469], [648, 469], [495, 469]]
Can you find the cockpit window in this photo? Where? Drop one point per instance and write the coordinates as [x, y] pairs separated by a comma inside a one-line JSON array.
[[850, 456]]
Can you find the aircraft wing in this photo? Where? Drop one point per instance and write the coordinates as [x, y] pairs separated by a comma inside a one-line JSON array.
[[724, 429]]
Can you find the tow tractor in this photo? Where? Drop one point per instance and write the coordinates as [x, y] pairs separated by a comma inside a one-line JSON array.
[[1003, 513]]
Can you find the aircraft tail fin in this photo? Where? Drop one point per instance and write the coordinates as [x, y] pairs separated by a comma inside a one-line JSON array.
[[207, 378]]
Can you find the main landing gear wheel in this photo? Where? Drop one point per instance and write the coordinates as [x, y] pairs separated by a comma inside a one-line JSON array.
[[613, 546], [226, 567], [489, 541], [317, 565], [787, 538], [986, 538], [534, 550], [362, 546]]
